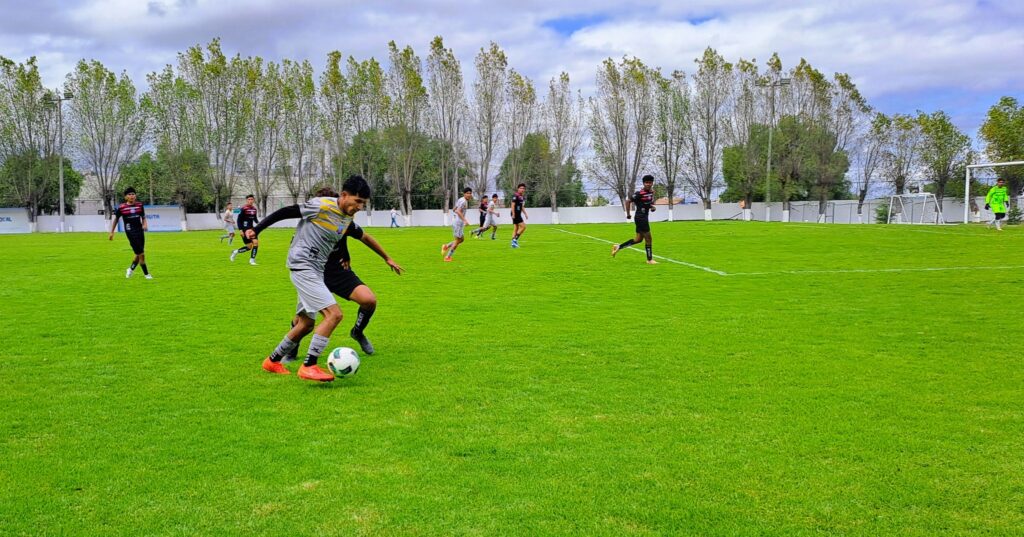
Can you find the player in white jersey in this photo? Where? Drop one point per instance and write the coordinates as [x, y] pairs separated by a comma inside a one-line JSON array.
[[323, 222], [229, 224], [459, 224], [491, 222]]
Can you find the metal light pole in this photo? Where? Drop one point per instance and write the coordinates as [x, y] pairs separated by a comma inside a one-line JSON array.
[[57, 99], [771, 127]]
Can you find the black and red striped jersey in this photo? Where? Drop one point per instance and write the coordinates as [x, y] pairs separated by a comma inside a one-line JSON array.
[[517, 204], [131, 215], [247, 217], [643, 200], [483, 205]]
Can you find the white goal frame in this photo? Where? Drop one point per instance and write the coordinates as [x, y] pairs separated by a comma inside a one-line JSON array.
[[927, 199], [967, 182]]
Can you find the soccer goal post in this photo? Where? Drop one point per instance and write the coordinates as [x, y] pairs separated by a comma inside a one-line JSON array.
[[967, 182], [920, 208]]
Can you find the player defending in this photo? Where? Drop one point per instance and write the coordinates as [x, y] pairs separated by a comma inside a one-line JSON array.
[[247, 220], [519, 215], [644, 202], [996, 200], [459, 224], [135, 227], [229, 224], [483, 210], [324, 221], [492, 219]]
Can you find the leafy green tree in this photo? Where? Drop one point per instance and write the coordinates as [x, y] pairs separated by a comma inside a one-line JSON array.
[[1003, 133], [42, 173], [943, 149]]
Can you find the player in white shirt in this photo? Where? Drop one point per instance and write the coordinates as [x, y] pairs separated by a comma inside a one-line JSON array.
[[491, 222], [229, 224], [458, 224]]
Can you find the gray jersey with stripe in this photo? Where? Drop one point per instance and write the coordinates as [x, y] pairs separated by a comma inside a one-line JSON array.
[[321, 227]]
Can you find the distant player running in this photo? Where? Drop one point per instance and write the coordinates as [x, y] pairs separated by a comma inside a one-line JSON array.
[[519, 215], [229, 224], [492, 219], [324, 221], [459, 224], [133, 215], [996, 200], [643, 199], [483, 210], [247, 220]]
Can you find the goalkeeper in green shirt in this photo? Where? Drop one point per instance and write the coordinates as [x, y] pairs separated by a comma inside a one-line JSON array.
[[996, 200]]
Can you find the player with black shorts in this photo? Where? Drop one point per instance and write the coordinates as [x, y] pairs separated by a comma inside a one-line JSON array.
[[247, 220], [483, 210], [133, 216], [643, 200], [519, 215]]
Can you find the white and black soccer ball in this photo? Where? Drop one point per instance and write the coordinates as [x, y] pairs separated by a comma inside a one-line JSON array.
[[343, 362]]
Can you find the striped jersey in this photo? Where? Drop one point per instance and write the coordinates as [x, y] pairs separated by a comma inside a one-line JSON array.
[[643, 201], [131, 216], [321, 226]]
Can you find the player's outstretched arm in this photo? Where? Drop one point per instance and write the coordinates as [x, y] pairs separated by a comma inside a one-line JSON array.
[[284, 213], [629, 209], [145, 221], [372, 243]]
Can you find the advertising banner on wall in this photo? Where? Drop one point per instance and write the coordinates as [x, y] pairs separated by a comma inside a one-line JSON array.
[[14, 220]]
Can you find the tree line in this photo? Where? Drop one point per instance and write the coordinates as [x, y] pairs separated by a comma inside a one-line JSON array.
[[210, 125]]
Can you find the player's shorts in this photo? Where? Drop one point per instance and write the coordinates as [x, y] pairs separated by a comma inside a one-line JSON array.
[[313, 292], [483, 218], [517, 218], [229, 228], [457, 228], [245, 240], [137, 242], [643, 225], [342, 282], [491, 221], [1000, 216]]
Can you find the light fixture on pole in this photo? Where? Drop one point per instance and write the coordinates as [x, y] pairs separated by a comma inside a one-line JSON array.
[[771, 127], [57, 98]]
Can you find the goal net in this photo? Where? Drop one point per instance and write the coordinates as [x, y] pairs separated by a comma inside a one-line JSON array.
[[914, 209]]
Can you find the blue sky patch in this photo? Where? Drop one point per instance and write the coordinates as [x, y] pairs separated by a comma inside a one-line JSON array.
[[567, 26]]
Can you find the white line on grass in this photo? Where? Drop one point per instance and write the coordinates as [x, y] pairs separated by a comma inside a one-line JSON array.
[[670, 260], [856, 271]]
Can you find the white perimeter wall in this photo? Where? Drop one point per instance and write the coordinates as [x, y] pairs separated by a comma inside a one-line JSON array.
[[168, 218]]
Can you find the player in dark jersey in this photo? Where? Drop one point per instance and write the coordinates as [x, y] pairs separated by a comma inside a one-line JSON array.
[[643, 200], [483, 210], [133, 216], [247, 220], [519, 215]]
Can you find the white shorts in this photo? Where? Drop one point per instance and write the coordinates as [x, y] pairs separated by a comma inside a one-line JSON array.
[[457, 228], [491, 221], [313, 293], [229, 228]]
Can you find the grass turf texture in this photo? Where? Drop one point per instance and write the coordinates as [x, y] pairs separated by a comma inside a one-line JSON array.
[[545, 390]]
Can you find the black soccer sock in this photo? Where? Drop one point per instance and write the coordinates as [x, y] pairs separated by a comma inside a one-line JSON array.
[[650, 254], [363, 318], [627, 244], [134, 264], [242, 250], [253, 254], [316, 347], [145, 270]]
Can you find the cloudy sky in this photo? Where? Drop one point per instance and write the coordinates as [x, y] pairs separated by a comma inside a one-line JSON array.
[[905, 55]]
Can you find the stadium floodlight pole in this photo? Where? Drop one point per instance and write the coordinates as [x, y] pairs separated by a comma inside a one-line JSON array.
[[56, 98], [967, 181], [771, 126]]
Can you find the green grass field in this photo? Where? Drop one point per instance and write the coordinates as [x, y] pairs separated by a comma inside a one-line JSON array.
[[815, 380]]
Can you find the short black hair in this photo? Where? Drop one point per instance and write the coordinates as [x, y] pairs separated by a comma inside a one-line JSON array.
[[521, 185], [1000, 179], [250, 196], [357, 186], [129, 190], [467, 189], [326, 192], [648, 179], [494, 195]]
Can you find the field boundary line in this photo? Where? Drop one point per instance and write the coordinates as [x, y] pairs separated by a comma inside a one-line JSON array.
[[663, 258], [857, 271]]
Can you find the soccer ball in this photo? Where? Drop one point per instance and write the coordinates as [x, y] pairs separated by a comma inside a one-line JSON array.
[[343, 362]]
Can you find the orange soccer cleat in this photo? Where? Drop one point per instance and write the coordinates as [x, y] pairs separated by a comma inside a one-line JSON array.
[[313, 372], [275, 367]]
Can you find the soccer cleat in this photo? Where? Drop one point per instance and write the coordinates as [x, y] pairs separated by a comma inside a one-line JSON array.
[[313, 372], [615, 249], [447, 259], [651, 262], [128, 273], [252, 261], [492, 237], [444, 249], [233, 254], [149, 276], [275, 367], [363, 342]]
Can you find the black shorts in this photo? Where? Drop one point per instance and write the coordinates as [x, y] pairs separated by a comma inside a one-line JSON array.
[[642, 224], [137, 242], [342, 282], [517, 219], [483, 216], [1000, 216], [245, 240]]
